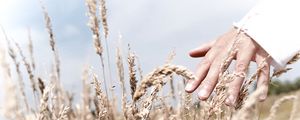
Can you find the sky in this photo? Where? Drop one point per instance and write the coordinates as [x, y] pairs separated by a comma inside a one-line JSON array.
[[153, 28]]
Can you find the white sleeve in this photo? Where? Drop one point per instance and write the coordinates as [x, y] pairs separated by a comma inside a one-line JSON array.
[[275, 25]]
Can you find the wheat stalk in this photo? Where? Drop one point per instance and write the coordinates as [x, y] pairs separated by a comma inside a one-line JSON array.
[[94, 26], [246, 112], [132, 71], [63, 114], [168, 61], [13, 56], [103, 12], [55, 103], [28, 67], [30, 48], [12, 110], [57, 90], [187, 106], [217, 101], [280, 72], [155, 77], [165, 108], [147, 104], [170, 57], [101, 103], [294, 59], [44, 113], [120, 68], [244, 90], [285, 70], [52, 40], [41, 85]]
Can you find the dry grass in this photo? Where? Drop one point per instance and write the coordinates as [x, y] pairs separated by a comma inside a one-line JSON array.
[[13, 56], [148, 100], [28, 67], [132, 72], [52, 41]]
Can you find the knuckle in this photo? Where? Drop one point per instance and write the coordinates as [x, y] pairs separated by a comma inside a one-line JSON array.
[[218, 47], [254, 47], [265, 67], [247, 45], [250, 45], [265, 70], [241, 67], [208, 84]]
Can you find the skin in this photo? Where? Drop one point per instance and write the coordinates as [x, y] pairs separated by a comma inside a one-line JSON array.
[[213, 54]]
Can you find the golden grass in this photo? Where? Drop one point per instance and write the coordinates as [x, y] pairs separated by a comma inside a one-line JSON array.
[[284, 110], [147, 101]]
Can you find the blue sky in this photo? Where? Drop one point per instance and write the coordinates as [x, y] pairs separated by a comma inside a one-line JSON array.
[[153, 28]]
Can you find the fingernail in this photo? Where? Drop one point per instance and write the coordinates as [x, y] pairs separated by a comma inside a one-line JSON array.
[[231, 100], [262, 97], [202, 94], [227, 102], [189, 86]]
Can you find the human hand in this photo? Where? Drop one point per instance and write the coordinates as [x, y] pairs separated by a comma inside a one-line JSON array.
[[213, 54]]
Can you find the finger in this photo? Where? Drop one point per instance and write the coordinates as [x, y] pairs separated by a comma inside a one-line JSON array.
[[201, 71], [244, 57], [210, 81], [202, 50], [263, 77]]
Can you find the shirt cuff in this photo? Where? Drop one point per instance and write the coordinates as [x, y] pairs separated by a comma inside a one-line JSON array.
[[274, 25]]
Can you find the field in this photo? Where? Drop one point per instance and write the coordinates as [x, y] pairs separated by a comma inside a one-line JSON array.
[[157, 95], [284, 109]]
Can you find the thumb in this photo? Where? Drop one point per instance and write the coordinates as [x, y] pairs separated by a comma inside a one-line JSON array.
[[201, 50]]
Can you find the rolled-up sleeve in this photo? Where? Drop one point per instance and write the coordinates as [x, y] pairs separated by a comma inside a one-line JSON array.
[[275, 26]]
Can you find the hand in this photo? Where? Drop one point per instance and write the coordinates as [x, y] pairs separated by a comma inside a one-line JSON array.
[[215, 52]]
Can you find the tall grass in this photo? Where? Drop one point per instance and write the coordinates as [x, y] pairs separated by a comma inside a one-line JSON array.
[[146, 99]]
